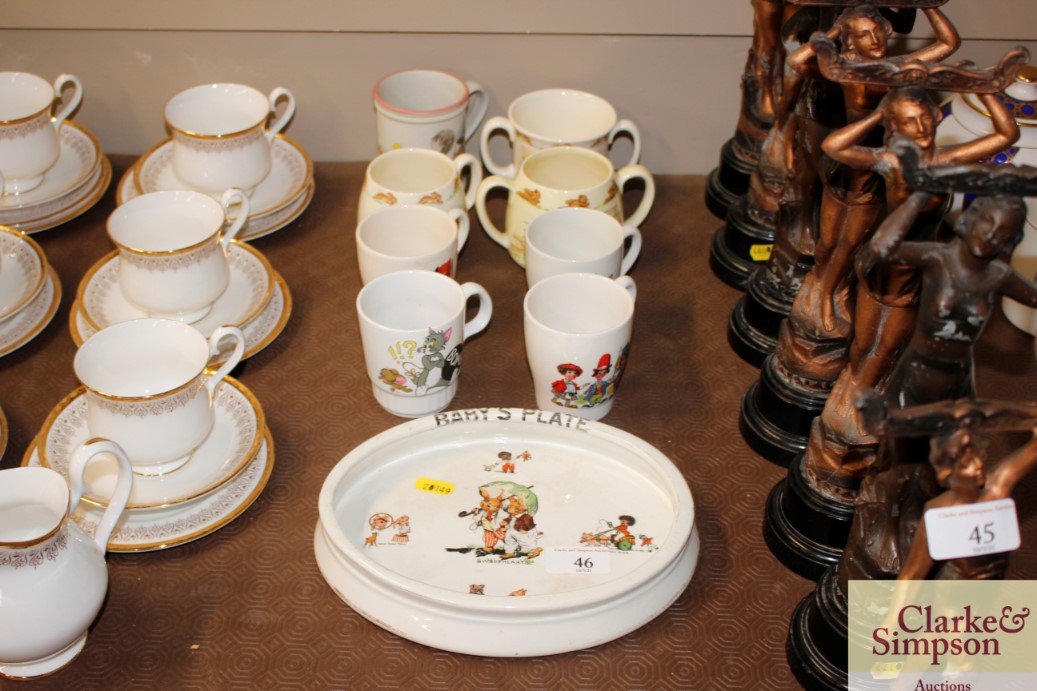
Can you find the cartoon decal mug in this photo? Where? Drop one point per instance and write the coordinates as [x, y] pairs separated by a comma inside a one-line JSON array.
[[403, 237], [430, 109], [577, 329], [419, 176], [563, 241], [556, 117], [557, 178], [413, 328]]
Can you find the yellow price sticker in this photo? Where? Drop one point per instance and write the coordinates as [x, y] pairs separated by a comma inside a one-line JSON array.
[[761, 253], [434, 486]]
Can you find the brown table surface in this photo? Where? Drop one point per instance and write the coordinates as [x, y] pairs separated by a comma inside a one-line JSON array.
[[246, 607]]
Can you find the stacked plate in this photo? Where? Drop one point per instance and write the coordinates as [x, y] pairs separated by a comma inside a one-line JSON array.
[[257, 300], [534, 533], [220, 481], [74, 184], [29, 289], [275, 202]]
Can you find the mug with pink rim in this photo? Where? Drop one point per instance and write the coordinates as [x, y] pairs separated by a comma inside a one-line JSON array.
[[427, 108]]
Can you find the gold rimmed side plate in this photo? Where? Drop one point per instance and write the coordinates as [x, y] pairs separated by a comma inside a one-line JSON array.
[[151, 530], [259, 332], [22, 327], [237, 433], [80, 207]]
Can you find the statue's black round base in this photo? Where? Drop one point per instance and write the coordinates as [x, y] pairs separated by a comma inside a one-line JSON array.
[[776, 416], [752, 329], [816, 647], [740, 246], [748, 342], [728, 181], [804, 528]]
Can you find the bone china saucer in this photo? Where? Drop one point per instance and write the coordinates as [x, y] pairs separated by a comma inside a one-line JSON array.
[[23, 270], [250, 288], [77, 204], [78, 160], [146, 530], [235, 438], [260, 331], [289, 175], [255, 227], [506, 532], [29, 321]]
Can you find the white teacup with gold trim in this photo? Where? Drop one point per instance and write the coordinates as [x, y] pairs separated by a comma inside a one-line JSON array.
[[419, 176], [29, 144], [148, 390], [220, 135], [557, 178], [173, 250]]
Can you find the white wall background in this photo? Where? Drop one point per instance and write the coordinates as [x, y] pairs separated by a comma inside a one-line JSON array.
[[673, 66]]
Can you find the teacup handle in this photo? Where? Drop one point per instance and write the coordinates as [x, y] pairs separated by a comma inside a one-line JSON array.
[[632, 251], [213, 380], [627, 173], [460, 217], [627, 284], [482, 316], [497, 122], [230, 198], [495, 233], [630, 128], [70, 104], [461, 162], [123, 484], [279, 124], [477, 103]]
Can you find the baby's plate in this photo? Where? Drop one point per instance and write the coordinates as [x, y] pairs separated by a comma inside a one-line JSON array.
[[506, 532]]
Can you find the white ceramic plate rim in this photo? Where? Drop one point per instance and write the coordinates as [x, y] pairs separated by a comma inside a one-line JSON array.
[[213, 511], [238, 252], [348, 552], [33, 318], [146, 492]]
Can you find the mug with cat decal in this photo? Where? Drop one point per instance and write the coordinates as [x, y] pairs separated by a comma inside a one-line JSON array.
[[413, 328]]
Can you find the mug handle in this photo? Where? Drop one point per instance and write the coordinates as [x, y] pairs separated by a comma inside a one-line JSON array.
[[482, 317], [495, 233], [627, 284], [626, 173], [460, 217], [461, 162], [631, 252], [497, 122], [630, 128], [123, 484], [213, 380], [476, 110], [69, 105], [286, 115], [229, 198]]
